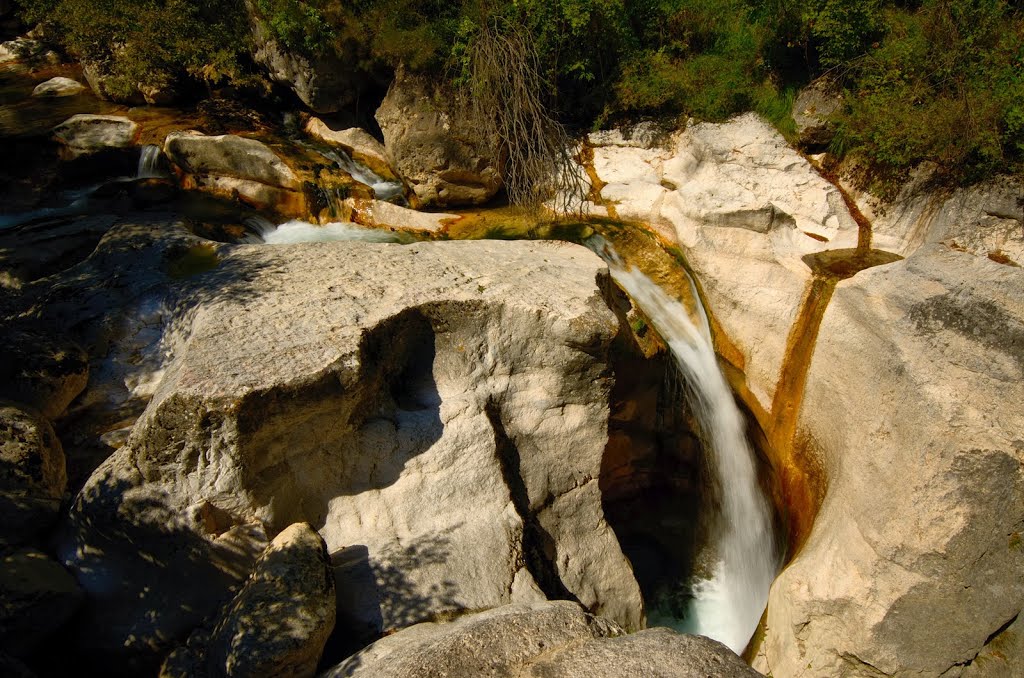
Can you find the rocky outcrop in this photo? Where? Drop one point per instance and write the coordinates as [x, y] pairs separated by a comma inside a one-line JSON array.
[[236, 167], [912, 566], [912, 405], [85, 133], [326, 82], [58, 87], [811, 111], [434, 148], [37, 597], [746, 208], [32, 474], [278, 623], [412, 402], [540, 640], [358, 143]]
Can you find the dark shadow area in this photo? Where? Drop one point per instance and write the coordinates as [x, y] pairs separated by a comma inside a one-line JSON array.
[[149, 579], [538, 547], [371, 588]]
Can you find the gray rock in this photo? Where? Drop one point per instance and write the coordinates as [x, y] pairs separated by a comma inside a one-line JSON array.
[[325, 82], [498, 642], [811, 110], [32, 474], [654, 653], [912, 405], [43, 369], [37, 597], [1001, 655], [543, 640], [412, 401], [84, 133], [58, 87], [279, 622], [434, 149], [236, 167], [228, 155]]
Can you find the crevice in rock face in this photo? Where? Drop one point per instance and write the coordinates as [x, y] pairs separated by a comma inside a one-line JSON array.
[[538, 547]]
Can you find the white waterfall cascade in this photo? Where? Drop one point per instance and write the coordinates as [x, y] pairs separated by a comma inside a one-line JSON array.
[[729, 605], [149, 163], [382, 189], [301, 231]]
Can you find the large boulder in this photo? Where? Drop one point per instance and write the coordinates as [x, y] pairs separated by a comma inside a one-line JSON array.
[[43, 369], [236, 167], [325, 81], [442, 157], [37, 597], [32, 474], [85, 133], [278, 623], [912, 403], [812, 109], [540, 640], [412, 402]]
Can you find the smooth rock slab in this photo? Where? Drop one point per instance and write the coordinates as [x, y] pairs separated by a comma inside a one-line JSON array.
[[913, 406]]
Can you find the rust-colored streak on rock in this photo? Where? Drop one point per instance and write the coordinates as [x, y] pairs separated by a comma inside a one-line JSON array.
[[586, 158], [802, 489]]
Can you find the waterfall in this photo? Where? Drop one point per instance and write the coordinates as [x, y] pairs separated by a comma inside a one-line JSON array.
[[382, 190], [728, 606], [149, 163]]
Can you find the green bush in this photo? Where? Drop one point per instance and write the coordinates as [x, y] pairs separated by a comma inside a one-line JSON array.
[[149, 42]]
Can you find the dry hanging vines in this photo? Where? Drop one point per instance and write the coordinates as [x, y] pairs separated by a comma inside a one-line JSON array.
[[506, 93]]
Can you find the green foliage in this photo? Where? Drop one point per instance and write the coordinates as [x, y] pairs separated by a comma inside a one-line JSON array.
[[945, 86], [148, 42], [299, 25]]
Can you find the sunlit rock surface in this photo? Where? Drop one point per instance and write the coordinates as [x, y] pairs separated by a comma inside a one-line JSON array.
[[913, 404], [437, 411], [745, 207], [439, 154]]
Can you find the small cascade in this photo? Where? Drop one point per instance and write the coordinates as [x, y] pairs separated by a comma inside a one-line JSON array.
[[296, 231], [382, 189], [728, 605], [149, 163]]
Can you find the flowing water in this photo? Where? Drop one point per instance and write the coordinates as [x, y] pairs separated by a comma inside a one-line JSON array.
[[149, 163], [301, 231], [728, 605], [382, 189]]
